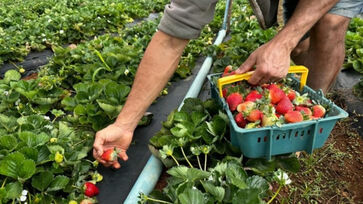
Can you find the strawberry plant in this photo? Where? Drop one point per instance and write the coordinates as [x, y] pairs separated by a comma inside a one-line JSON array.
[[197, 133]]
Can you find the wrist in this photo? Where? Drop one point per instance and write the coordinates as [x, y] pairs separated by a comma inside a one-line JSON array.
[[125, 126]]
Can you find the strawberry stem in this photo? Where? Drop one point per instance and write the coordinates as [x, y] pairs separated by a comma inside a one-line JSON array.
[[200, 166], [191, 166], [205, 162], [274, 196], [157, 200], [176, 161]]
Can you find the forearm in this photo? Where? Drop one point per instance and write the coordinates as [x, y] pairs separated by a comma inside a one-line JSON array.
[[160, 61], [306, 14]]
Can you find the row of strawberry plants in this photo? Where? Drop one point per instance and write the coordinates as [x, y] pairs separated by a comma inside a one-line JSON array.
[[203, 165], [29, 25]]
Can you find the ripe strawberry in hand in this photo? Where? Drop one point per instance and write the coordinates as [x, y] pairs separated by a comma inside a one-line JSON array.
[[276, 94], [240, 120], [90, 189], [293, 117], [110, 155], [233, 100], [253, 96], [318, 111], [284, 106], [255, 115]]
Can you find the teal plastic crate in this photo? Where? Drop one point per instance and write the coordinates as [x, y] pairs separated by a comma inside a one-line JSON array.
[[269, 141]]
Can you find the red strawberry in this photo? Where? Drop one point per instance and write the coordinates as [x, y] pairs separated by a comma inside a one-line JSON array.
[[291, 94], [90, 189], [293, 117], [278, 115], [233, 100], [253, 96], [224, 92], [255, 115], [318, 111], [276, 94], [227, 71], [240, 120], [245, 107], [284, 106], [304, 109], [110, 155]]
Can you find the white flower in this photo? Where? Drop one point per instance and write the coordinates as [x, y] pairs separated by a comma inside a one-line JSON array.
[[17, 102], [50, 20], [194, 188], [24, 192], [43, 35], [98, 17], [22, 198], [126, 72], [210, 178], [46, 117], [44, 39], [282, 177], [61, 31], [6, 93]]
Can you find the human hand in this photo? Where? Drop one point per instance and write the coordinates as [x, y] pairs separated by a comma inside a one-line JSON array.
[[113, 136], [272, 61]]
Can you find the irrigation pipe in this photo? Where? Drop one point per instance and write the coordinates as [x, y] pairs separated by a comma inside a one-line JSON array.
[[153, 168]]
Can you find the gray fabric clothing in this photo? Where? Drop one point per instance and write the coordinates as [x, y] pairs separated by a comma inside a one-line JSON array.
[[186, 18]]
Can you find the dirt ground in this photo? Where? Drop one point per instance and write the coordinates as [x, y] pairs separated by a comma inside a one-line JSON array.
[[334, 173]]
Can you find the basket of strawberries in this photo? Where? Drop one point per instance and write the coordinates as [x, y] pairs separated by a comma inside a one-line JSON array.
[[275, 118]]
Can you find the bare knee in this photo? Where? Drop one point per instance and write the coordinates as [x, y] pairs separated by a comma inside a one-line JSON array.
[[331, 28]]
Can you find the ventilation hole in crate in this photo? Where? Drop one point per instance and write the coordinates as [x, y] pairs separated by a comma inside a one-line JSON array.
[[296, 133], [321, 130], [265, 139], [284, 136], [278, 137], [308, 132], [302, 133], [259, 140]]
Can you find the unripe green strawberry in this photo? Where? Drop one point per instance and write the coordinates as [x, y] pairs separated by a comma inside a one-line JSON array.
[[269, 120], [58, 157]]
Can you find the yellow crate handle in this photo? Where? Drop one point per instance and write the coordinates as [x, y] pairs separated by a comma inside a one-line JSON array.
[[239, 77]]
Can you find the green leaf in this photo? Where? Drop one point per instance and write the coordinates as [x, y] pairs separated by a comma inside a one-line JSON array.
[[247, 196], [30, 153], [291, 164], [33, 140], [192, 105], [56, 148], [179, 172], [259, 183], [13, 190], [107, 107], [170, 120], [191, 196], [42, 180], [181, 116], [261, 166], [194, 174], [12, 75], [58, 183], [217, 191], [8, 142], [217, 127], [16, 166], [236, 175], [198, 117]]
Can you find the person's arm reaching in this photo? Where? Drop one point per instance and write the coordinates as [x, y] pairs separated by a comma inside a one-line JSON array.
[[272, 59], [160, 61]]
